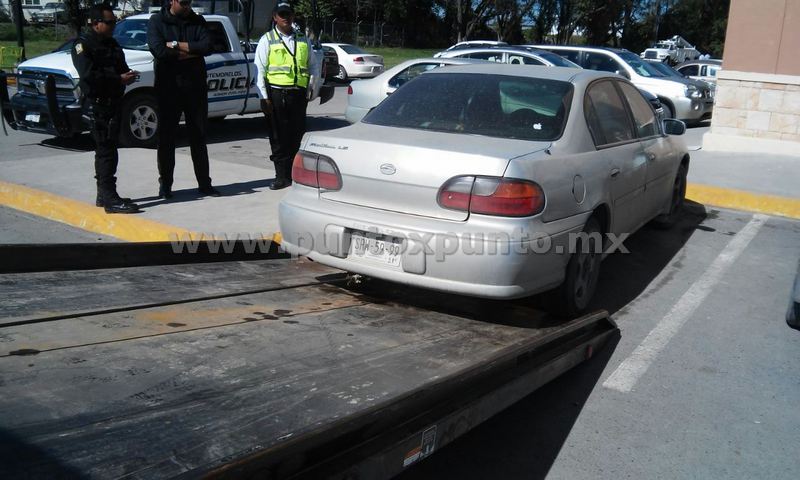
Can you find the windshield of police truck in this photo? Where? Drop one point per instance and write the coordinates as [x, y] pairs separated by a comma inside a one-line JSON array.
[[132, 34]]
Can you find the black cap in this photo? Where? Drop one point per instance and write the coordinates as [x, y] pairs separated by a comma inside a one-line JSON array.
[[283, 7]]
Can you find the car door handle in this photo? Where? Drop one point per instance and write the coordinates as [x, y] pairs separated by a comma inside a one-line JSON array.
[[651, 156], [614, 172]]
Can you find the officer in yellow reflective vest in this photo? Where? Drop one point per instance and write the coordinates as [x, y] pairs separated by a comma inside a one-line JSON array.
[[285, 60]]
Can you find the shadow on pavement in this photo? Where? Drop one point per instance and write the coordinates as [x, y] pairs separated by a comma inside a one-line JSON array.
[[20, 459], [192, 194], [525, 440]]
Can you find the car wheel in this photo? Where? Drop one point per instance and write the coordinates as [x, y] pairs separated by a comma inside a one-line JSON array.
[[139, 121], [583, 269], [676, 202], [342, 76]]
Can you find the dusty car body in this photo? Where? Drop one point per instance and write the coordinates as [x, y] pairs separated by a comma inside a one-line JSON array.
[[481, 192]]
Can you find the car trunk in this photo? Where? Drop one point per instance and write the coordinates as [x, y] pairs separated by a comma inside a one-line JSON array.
[[402, 170], [371, 58]]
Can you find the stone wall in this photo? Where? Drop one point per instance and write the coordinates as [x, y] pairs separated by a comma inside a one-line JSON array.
[[762, 108]]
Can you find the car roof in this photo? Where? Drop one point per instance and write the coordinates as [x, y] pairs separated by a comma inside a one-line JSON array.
[[500, 48], [701, 62], [580, 47], [564, 74], [453, 60], [146, 16]]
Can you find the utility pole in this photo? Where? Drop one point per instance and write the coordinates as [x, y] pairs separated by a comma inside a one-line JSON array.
[[19, 19]]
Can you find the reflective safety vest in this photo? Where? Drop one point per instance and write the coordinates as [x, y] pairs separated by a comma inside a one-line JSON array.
[[285, 69]]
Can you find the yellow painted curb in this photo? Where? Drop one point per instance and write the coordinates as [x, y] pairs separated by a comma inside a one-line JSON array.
[[742, 200], [88, 217]]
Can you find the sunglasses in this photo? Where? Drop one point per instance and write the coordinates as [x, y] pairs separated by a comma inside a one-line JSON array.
[[113, 21], [285, 14]]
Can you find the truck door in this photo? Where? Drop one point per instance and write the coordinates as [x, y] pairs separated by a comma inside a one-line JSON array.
[[227, 74]]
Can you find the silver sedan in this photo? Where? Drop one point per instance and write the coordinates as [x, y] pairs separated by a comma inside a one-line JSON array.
[[362, 96], [488, 180]]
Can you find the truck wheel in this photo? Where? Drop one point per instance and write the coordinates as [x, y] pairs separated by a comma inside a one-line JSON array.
[[572, 297], [139, 122], [668, 219], [342, 75]]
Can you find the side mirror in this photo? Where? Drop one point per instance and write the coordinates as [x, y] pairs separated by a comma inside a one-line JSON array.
[[674, 127]]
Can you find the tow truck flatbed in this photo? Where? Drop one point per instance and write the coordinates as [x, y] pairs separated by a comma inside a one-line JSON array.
[[271, 368]]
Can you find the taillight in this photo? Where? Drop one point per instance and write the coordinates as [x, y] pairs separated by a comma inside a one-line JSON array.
[[349, 89], [316, 170], [507, 197], [358, 60]]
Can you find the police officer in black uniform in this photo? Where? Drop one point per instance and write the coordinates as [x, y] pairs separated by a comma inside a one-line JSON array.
[[103, 76]]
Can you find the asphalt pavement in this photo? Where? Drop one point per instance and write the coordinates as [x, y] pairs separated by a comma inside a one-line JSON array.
[[701, 383]]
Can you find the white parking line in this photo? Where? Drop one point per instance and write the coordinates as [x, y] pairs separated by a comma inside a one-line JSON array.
[[629, 371]]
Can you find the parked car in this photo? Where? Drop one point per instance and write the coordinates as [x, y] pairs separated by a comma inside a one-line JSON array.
[[685, 102], [705, 70], [512, 55], [364, 95], [52, 12], [331, 70], [474, 179], [672, 73], [355, 62], [473, 44]]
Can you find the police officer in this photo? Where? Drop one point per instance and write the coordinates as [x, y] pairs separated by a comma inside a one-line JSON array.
[[178, 39], [103, 76], [285, 60]]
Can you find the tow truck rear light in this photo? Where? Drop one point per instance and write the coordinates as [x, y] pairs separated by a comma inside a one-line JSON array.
[[316, 170], [499, 196]]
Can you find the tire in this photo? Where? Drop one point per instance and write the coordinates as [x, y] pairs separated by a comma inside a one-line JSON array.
[[667, 220], [139, 121], [583, 270], [342, 75]]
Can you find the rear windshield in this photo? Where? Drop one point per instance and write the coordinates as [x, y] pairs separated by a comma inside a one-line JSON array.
[[352, 49], [478, 104]]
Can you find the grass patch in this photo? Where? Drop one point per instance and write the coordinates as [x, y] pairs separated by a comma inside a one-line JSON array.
[[394, 56], [33, 48]]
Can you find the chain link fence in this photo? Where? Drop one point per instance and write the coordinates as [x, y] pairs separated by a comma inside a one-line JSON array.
[[369, 34]]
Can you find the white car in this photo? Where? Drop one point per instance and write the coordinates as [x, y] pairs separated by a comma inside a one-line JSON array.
[[356, 63], [472, 44], [364, 95]]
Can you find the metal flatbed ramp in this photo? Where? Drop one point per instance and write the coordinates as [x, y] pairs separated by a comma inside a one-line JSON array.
[[268, 368]]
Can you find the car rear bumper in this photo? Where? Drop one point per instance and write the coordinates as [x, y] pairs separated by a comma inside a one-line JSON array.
[[365, 71], [480, 257]]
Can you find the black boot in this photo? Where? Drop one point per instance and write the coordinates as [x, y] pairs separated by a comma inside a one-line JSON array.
[[99, 200], [112, 203], [164, 190]]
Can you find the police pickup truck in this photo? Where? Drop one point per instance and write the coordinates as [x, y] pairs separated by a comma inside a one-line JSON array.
[[231, 75]]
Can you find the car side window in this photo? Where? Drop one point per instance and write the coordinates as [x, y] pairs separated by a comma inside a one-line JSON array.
[[689, 71], [490, 56], [643, 115], [573, 56], [712, 71], [411, 72], [219, 39], [520, 60], [606, 115], [601, 62]]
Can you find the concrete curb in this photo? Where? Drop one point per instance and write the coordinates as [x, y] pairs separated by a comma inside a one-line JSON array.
[[742, 200]]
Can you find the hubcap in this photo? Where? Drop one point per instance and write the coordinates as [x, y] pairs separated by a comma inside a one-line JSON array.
[[143, 122]]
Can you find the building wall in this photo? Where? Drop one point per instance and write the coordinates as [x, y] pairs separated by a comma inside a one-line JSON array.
[[758, 91]]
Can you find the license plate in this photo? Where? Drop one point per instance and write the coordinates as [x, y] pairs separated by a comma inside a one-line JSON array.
[[383, 251], [32, 117]]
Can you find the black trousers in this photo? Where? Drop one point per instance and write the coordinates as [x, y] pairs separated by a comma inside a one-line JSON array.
[[105, 131], [290, 122], [193, 103]]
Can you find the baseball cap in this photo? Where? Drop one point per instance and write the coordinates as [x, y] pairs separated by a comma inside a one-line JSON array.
[[283, 7]]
